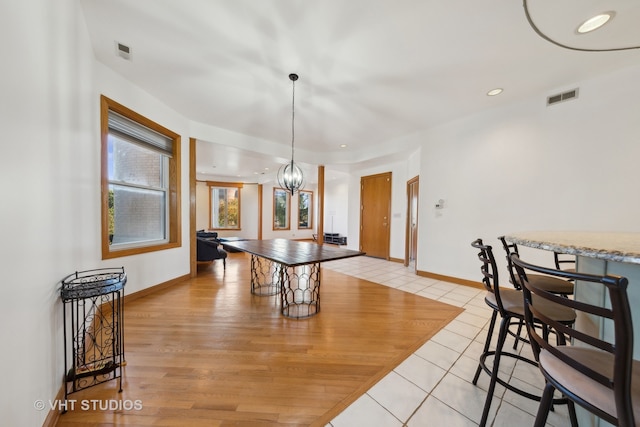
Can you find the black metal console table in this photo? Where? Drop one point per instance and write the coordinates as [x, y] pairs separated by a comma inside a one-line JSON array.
[[93, 313]]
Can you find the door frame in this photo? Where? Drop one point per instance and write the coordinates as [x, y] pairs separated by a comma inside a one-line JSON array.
[[415, 181]]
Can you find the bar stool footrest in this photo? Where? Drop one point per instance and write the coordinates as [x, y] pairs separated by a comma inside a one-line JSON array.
[[511, 387]]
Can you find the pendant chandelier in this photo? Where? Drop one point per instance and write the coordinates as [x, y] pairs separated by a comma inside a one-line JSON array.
[[290, 175]]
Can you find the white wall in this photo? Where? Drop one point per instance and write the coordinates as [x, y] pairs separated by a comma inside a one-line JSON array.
[[400, 172], [48, 169], [50, 216], [248, 211], [202, 206], [249, 220], [293, 233], [413, 164], [336, 206], [152, 268], [572, 166]]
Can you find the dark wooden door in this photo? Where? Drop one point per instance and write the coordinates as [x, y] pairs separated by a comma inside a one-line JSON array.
[[375, 214]]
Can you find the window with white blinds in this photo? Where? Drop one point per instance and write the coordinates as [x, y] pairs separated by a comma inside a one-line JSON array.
[[139, 211]]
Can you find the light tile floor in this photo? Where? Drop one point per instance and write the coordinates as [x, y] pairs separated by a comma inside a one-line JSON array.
[[432, 387]]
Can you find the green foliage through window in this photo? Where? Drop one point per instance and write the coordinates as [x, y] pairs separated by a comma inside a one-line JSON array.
[[305, 206], [280, 209], [225, 206], [111, 214]]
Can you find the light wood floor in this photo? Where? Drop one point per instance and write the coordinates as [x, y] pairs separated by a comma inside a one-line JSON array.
[[208, 353]]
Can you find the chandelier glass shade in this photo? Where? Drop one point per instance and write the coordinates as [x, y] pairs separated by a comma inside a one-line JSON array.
[[290, 175]]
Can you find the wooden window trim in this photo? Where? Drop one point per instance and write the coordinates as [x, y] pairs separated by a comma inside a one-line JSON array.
[[175, 233], [237, 185], [310, 226], [273, 202], [224, 184]]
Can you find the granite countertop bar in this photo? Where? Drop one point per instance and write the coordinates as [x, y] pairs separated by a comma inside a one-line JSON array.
[[618, 247]]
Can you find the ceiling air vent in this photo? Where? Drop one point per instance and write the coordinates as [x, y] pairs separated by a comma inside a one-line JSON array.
[[565, 96], [123, 51]]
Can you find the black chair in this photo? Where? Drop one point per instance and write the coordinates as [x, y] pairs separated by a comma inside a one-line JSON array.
[[207, 234], [208, 250], [598, 375], [508, 303]]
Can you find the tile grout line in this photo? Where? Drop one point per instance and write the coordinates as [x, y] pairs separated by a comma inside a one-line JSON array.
[[448, 371]]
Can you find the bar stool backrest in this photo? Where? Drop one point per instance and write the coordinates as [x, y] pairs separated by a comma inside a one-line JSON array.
[[564, 261], [585, 346], [510, 248], [489, 271]]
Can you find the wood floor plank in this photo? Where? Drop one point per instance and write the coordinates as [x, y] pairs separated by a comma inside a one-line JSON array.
[[208, 352]]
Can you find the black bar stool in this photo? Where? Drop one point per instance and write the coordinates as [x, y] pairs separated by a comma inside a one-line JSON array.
[[565, 262], [509, 304], [552, 284], [548, 283], [598, 375]]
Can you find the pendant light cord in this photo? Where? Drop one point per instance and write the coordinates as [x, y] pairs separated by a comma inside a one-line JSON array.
[[293, 113], [290, 175]]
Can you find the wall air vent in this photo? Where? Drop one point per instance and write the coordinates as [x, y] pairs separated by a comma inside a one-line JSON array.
[[123, 51], [565, 96]]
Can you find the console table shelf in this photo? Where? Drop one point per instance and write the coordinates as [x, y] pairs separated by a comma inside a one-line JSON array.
[[335, 238]]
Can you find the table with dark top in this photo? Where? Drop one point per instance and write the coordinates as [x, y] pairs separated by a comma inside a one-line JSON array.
[[292, 269], [224, 240]]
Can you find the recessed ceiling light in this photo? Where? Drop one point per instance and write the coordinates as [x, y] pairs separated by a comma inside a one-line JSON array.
[[595, 22], [343, 145], [494, 92]]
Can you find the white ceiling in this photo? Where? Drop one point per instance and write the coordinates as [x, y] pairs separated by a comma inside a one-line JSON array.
[[372, 72]]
